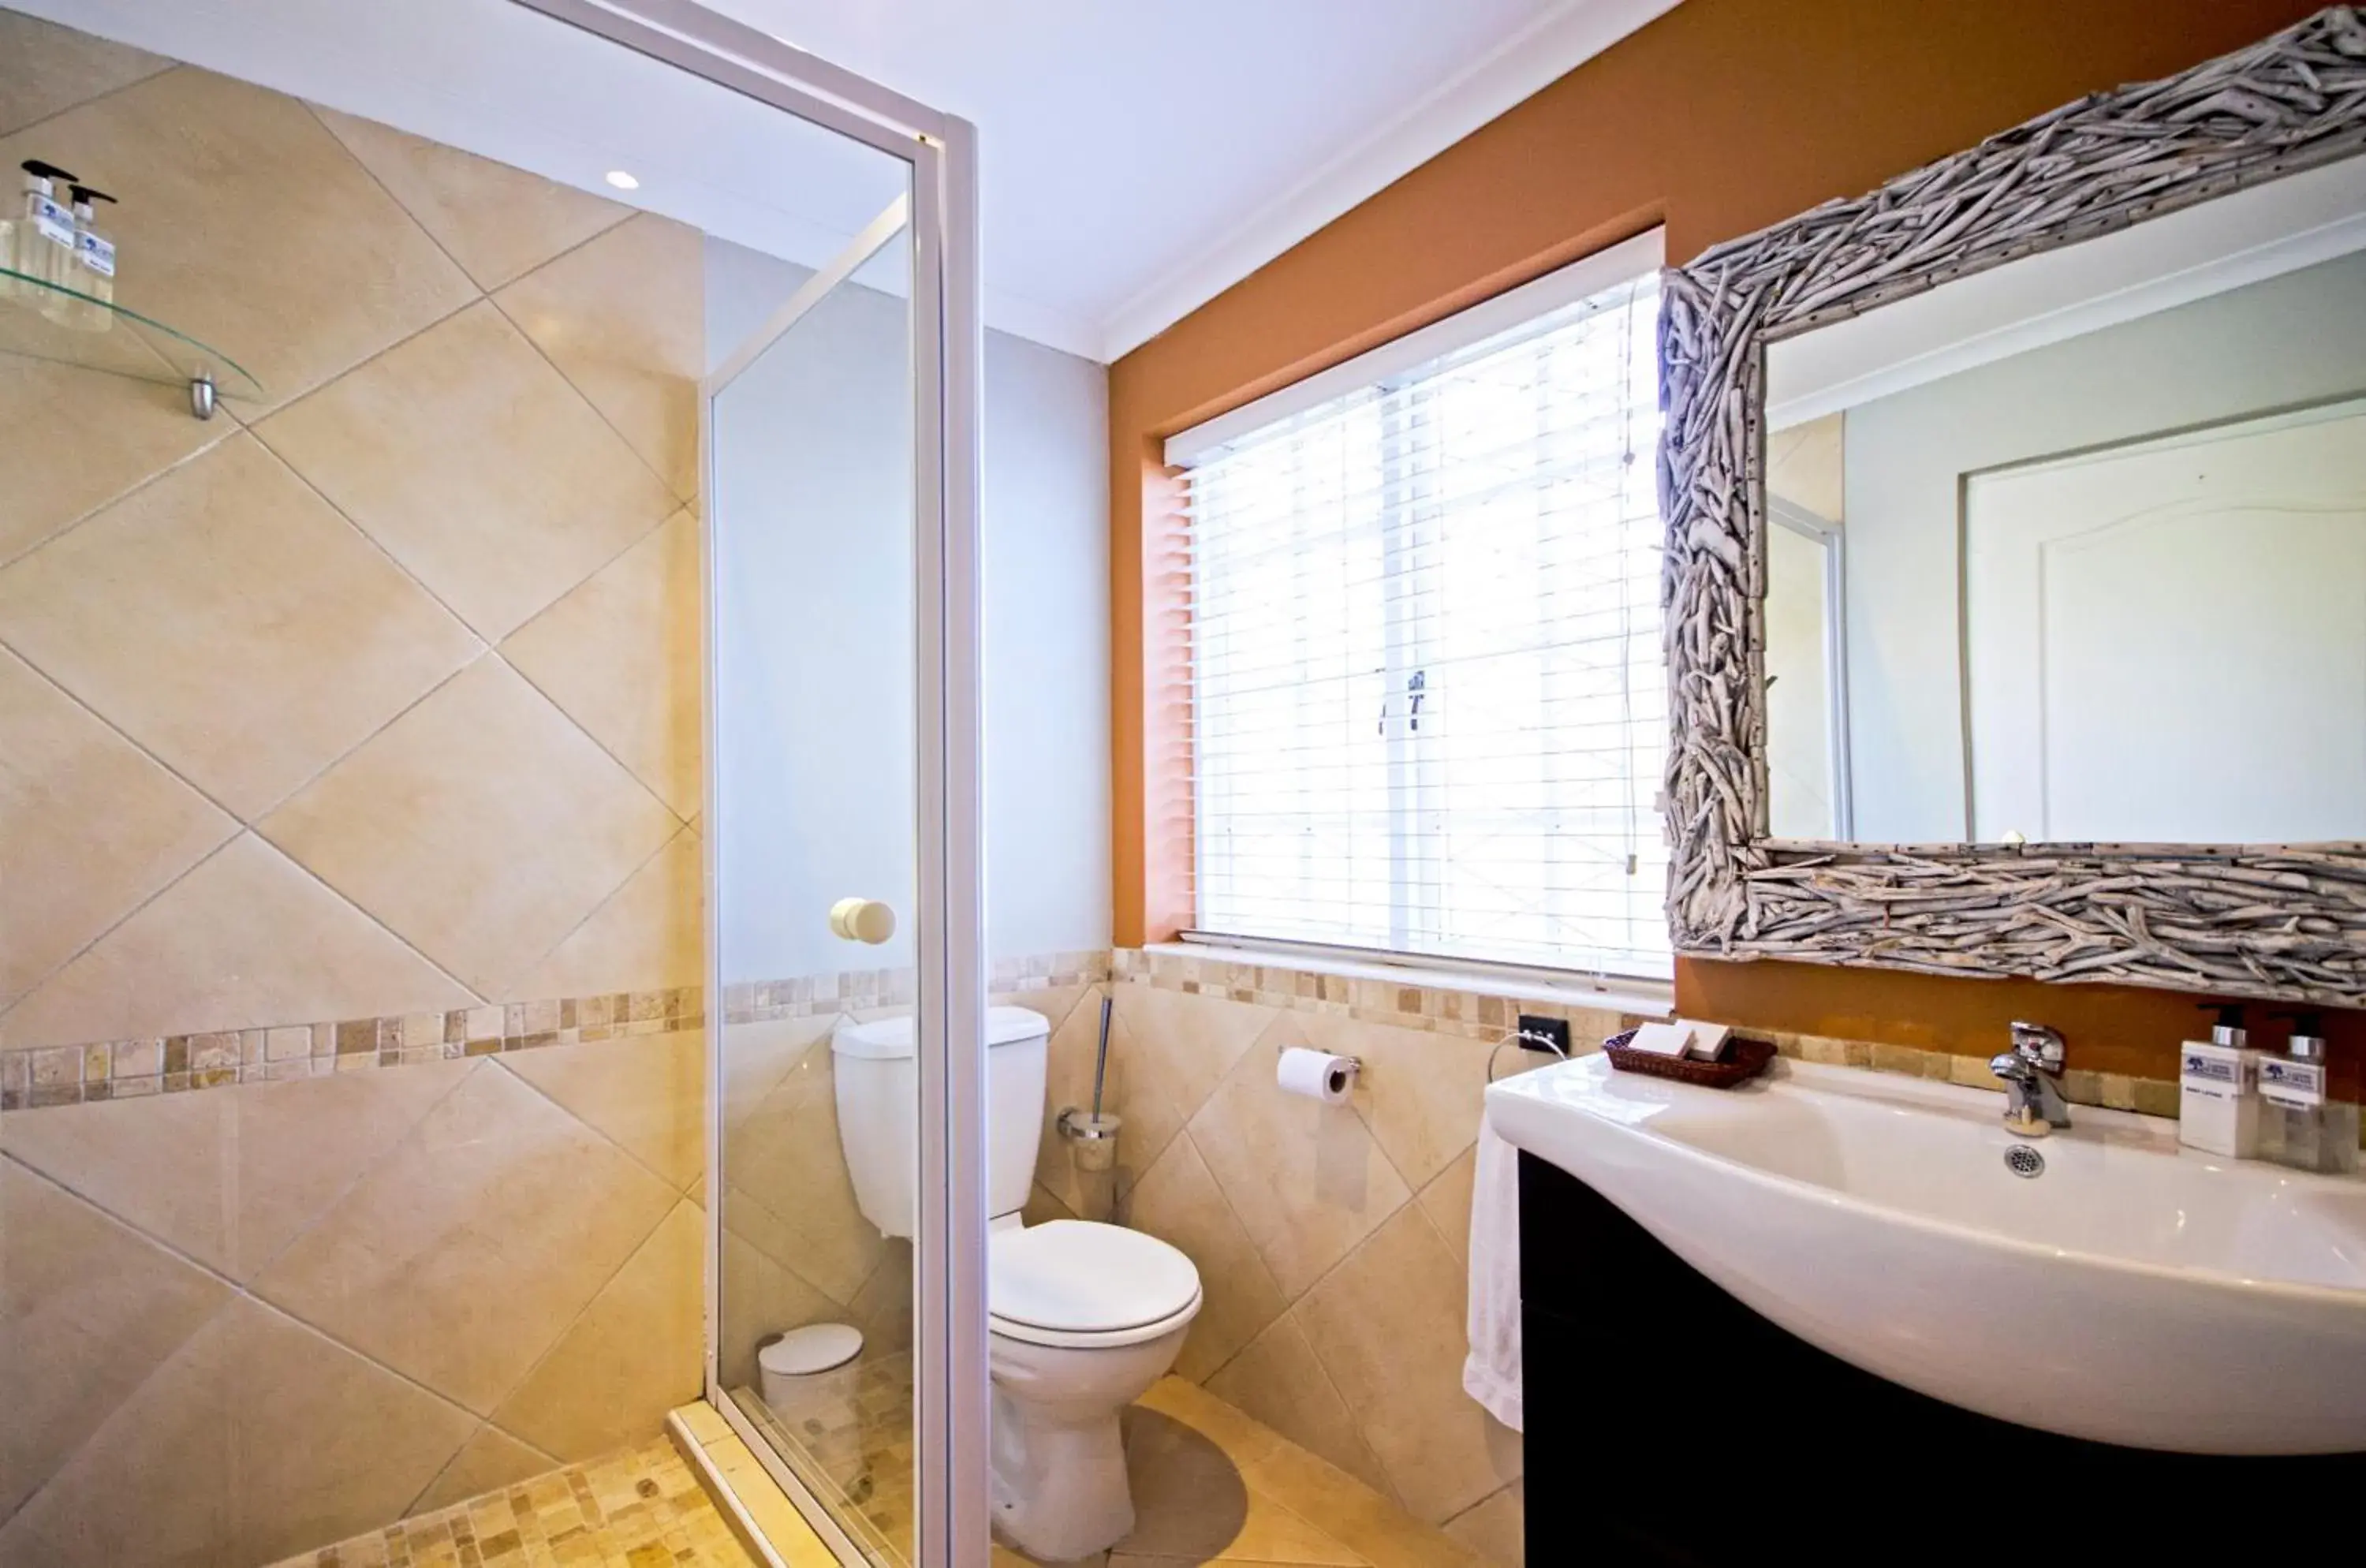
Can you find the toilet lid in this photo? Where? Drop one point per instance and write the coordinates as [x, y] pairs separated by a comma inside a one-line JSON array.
[[1076, 1277]]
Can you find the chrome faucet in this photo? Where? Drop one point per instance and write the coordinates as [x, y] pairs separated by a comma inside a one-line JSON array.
[[2031, 1072]]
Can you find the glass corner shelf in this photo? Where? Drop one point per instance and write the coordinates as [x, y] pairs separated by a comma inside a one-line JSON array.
[[150, 351]]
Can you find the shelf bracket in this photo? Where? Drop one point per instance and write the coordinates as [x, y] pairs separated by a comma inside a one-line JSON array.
[[201, 394]]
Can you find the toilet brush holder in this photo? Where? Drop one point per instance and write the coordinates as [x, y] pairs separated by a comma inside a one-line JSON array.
[[1092, 1140]]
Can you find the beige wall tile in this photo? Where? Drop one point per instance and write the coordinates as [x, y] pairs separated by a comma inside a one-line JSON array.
[[245, 936], [1054, 1002], [883, 1308], [89, 1308], [46, 68], [1447, 1201], [90, 827], [1176, 1201], [120, 431], [495, 221], [1419, 1092], [1497, 1529], [226, 619], [619, 654], [259, 1437], [485, 1462], [648, 935], [757, 1058], [624, 318], [634, 1354], [482, 826], [476, 466], [1307, 1179], [789, 1192], [759, 1298], [1193, 1040], [499, 1211], [1388, 1327], [219, 163], [647, 1092], [1277, 1379], [230, 1176], [1132, 1090]]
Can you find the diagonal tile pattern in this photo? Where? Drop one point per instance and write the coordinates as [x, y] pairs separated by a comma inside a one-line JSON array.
[[228, 1179], [472, 462], [620, 655], [498, 1212], [89, 1308], [1332, 1242], [63, 888], [215, 163], [244, 1322], [214, 1418], [244, 682], [621, 317], [249, 934], [54, 68], [496, 221], [483, 773], [121, 431]]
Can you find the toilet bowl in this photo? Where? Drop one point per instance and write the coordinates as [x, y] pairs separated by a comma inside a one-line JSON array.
[[1082, 1318]]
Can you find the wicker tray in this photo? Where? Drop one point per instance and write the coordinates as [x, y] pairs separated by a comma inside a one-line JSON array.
[[1744, 1059]]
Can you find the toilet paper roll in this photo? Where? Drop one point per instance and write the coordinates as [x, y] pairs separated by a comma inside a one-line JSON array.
[[1318, 1075]]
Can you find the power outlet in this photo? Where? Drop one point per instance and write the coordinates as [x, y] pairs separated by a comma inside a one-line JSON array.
[[1554, 1028]]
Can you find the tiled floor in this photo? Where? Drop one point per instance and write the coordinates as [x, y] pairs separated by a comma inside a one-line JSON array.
[[641, 1508], [1209, 1483]]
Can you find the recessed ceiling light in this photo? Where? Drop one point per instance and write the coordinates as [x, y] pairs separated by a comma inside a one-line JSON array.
[[622, 180]]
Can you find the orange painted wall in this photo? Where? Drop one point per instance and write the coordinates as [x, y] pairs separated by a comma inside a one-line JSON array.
[[1720, 117]]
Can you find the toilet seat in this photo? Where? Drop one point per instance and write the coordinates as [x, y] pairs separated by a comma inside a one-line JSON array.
[[1076, 1284]]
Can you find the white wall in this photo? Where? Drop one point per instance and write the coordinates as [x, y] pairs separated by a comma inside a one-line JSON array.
[[813, 486], [2296, 339]]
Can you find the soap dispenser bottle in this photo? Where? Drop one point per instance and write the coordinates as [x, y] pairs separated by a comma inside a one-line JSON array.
[[36, 239], [2300, 1125], [2218, 1085], [92, 275]]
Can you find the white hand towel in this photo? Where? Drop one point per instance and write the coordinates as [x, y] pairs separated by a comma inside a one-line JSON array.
[[1492, 1373]]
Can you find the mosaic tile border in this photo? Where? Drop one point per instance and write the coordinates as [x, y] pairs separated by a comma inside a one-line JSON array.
[[2110, 1092], [1440, 1010], [813, 995], [1481, 1016], [36, 1077]]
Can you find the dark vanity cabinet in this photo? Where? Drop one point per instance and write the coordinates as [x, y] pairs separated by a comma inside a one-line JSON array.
[[1667, 1423]]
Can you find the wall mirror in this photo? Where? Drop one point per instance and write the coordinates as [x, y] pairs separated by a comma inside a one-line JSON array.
[[2017, 550]]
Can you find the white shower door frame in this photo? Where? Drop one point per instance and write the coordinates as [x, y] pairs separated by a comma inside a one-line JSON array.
[[948, 1249]]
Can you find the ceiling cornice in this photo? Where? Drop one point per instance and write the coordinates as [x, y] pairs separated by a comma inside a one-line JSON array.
[[1517, 69]]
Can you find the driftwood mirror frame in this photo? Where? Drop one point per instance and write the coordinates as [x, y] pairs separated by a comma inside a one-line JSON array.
[[2271, 920]]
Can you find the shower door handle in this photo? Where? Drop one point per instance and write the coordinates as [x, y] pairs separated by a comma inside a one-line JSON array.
[[862, 920]]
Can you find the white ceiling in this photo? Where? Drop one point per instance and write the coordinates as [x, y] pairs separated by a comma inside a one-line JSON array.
[[1138, 156]]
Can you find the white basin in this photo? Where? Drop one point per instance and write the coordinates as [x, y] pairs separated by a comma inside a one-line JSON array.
[[2137, 1291]]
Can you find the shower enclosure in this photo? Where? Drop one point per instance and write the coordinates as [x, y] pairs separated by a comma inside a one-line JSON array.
[[839, 431]]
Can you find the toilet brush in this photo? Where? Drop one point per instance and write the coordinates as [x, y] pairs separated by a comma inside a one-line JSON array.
[[1100, 1060], [1093, 1139]]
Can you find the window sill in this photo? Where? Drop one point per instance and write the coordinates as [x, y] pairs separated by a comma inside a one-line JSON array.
[[1643, 998]]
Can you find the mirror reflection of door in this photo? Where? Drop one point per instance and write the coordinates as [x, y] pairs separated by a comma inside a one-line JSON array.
[[2167, 642]]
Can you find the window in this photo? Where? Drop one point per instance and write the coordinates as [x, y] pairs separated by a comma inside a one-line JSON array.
[[1428, 707]]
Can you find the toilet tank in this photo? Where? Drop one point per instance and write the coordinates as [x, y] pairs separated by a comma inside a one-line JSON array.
[[878, 1111]]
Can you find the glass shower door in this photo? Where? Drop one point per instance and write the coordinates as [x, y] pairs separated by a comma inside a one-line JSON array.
[[836, 903]]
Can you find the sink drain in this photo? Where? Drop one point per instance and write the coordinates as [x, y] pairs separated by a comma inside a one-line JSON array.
[[2023, 1160]]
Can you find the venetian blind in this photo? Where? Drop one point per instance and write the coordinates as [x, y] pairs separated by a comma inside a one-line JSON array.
[[1428, 707]]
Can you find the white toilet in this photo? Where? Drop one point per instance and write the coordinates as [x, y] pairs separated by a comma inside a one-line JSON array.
[[1082, 1318]]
